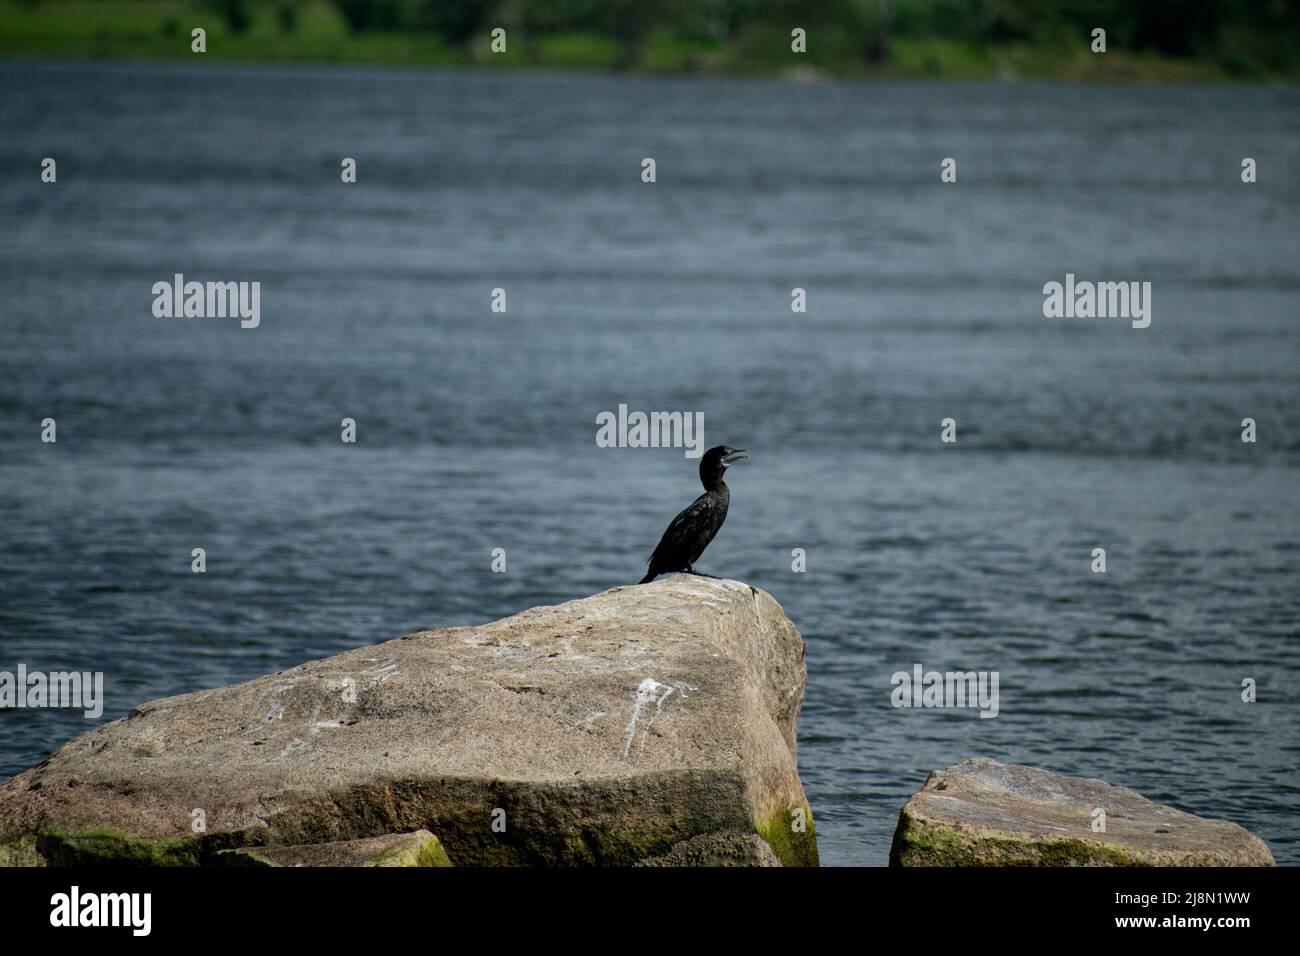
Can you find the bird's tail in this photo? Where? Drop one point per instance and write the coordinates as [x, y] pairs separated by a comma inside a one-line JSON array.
[[650, 576]]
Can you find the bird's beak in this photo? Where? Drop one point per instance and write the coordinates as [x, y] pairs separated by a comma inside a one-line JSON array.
[[736, 455]]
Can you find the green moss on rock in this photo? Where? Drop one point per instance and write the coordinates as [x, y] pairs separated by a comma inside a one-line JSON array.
[[106, 846], [791, 846], [920, 843], [21, 852], [428, 853]]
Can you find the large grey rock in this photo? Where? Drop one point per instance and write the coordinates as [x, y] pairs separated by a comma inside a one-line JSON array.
[[985, 813], [602, 731]]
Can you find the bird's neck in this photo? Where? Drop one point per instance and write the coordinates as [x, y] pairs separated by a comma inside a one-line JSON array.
[[716, 484]]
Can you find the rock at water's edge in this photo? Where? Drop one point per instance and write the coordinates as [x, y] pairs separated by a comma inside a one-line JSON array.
[[985, 813], [607, 730]]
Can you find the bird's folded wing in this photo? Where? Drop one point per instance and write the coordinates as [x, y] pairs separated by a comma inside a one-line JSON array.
[[685, 528]]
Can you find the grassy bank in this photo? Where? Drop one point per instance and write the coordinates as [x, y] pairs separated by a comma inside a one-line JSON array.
[[315, 31]]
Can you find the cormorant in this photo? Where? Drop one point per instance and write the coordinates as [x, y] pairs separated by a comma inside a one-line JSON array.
[[693, 529]]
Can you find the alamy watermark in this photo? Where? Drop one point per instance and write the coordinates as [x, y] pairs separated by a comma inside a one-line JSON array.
[[1101, 300], [209, 300], [75, 908], [922, 688], [58, 689], [651, 430]]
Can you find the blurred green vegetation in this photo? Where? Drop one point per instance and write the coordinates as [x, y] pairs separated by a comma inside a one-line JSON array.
[[1147, 40]]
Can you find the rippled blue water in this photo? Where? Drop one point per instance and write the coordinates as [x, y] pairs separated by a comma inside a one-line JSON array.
[[477, 429]]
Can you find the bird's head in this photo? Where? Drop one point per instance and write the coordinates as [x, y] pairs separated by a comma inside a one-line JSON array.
[[716, 461]]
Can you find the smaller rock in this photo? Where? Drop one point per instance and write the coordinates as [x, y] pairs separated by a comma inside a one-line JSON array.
[[985, 813], [419, 848], [728, 848]]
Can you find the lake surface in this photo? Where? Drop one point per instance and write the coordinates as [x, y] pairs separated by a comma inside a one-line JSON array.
[[477, 429]]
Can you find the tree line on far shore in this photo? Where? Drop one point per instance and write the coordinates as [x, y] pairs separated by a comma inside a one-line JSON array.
[[1240, 37]]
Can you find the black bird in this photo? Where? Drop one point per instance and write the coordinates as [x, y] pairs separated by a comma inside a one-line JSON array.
[[693, 529]]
